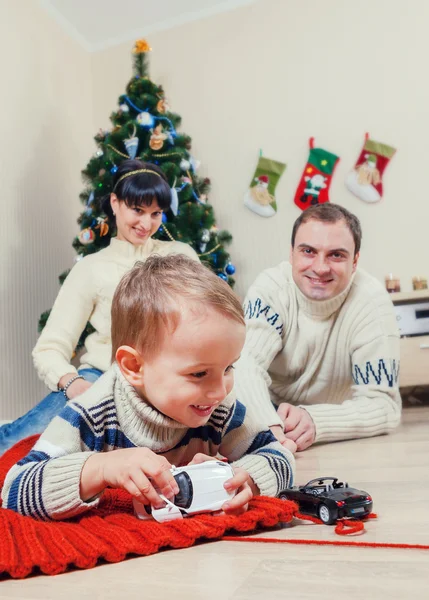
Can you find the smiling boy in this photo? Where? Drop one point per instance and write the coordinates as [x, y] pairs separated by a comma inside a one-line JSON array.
[[168, 398], [322, 342]]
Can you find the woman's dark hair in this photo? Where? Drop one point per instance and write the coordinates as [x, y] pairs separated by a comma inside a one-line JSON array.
[[139, 189]]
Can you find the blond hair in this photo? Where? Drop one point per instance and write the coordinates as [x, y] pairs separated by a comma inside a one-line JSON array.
[[146, 303]]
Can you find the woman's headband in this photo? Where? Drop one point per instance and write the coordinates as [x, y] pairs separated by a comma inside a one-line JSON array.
[[136, 173]]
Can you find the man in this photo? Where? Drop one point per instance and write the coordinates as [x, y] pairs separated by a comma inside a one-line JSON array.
[[322, 342]]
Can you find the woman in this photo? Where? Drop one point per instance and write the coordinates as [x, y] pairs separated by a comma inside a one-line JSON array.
[[140, 195]]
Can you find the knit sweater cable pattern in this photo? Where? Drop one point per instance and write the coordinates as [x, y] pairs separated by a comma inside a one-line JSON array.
[[338, 359], [110, 416]]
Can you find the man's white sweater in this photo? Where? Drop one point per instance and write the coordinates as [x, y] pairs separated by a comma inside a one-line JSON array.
[[338, 358]]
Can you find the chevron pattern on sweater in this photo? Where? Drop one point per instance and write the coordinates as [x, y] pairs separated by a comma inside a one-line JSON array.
[[380, 374]]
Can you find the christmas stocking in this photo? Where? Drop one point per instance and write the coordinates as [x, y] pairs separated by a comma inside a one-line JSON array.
[[260, 195], [365, 179], [314, 185]]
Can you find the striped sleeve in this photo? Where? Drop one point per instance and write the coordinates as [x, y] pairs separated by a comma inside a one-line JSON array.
[[249, 446], [45, 484]]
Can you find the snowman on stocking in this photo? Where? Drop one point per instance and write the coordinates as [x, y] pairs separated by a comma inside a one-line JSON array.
[[260, 197], [365, 180]]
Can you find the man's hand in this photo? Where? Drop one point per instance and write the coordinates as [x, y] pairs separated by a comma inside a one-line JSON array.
[[140, 471], [298, 425], [277, 430]]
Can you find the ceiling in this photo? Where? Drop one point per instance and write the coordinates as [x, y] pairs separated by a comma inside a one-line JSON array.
[[100, 24]]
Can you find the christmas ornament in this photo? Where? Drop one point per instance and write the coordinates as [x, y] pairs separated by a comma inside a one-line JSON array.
[[195, 163], [164, 218], [205, 238], [203, 198], [174, 206], [132, 144], [223, 276], [157, 138], [314, 185], [365, 179], [78, 257], [260, 196], [145, 119], [230, 269], [88, 209], [99, 153], [124, 108], [141, 46], [162, 106], [113, 169], [86, 236], [102, 172], [185, 165], [102, 226]]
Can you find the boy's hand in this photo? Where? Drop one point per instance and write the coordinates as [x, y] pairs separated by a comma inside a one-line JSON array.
[[246, 489], [200, 458], [298, 425], [242, 482], [137, 470]]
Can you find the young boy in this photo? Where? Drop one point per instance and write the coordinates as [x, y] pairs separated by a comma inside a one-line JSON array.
[[168, 398]]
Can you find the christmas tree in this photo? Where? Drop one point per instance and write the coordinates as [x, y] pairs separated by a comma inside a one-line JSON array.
[[145, 128]]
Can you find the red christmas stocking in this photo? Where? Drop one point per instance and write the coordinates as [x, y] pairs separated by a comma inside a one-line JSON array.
[[365, 179], [314, 185]]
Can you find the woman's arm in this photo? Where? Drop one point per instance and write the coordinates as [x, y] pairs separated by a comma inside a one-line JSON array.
[[70, 313]]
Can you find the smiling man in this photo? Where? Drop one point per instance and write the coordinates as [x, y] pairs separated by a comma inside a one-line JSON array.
[[322, 344]]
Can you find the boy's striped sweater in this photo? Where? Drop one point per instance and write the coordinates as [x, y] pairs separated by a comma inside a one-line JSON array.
[[109, 416]]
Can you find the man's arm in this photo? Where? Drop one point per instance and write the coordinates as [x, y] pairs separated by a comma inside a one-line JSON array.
[[265, 325], [375, 404]]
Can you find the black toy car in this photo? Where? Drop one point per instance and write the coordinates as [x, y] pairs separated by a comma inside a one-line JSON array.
[[329, 499]]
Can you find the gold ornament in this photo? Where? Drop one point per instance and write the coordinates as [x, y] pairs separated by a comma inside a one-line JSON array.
[[104, 229], [102, 226], [141, 46], [157, 138], [162, 106]]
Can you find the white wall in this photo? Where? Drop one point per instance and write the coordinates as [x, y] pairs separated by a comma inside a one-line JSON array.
[[266, 76], [275, 73], [46, 128]]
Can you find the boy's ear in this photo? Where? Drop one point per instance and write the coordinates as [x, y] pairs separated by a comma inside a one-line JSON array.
[[131, 364]]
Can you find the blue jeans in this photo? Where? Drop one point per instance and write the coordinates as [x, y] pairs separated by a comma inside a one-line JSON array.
[[39, 417]]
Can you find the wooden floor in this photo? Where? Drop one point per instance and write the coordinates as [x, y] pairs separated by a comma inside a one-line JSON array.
[[393, 469]]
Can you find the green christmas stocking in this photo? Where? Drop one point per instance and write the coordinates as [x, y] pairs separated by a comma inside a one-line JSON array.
[[260, 196], [314, 185]]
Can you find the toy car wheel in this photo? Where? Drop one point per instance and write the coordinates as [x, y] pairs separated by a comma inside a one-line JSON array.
[[326, 515], [283, 497]]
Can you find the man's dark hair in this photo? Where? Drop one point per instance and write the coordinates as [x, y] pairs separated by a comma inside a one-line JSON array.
[[330, 213]]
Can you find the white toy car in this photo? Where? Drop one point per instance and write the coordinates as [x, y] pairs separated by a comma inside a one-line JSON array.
[[201, 490]]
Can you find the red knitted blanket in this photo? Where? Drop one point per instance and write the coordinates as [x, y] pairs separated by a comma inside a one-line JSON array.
[[111, 532]]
